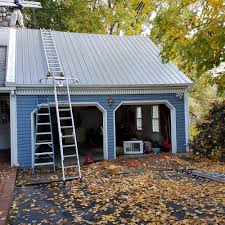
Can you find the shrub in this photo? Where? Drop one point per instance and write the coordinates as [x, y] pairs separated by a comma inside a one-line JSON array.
[[210, 140]]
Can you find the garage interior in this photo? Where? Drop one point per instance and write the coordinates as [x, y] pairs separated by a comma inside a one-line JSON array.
[[4, 128], [150, 124], [89, 132]]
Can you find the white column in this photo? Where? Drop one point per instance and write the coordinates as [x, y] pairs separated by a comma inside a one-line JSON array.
[[173, 128], [187, 119], [13, 129]]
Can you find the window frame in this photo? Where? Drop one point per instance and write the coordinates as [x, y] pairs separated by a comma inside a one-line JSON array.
[[155, 118], [139, 118]]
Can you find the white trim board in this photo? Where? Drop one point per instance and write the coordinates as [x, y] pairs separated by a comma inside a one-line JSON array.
[[13, 129], [151, 102], [11, 57], [6, 89], [187, 119], [98, 91], [80, 104]]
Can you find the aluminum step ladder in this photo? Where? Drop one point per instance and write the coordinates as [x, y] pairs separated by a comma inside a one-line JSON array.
[[43, 154], [65, 121]]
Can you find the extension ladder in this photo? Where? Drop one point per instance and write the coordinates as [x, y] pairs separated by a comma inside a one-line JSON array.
[[44, 147], [65, 121]]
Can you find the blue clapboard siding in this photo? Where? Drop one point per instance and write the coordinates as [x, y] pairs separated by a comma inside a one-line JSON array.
[[26, 104]]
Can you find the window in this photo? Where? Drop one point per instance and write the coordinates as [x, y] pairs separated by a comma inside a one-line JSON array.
[[139, 118], [155, 118]]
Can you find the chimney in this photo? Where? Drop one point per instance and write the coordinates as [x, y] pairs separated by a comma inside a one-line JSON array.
[[11, 11], [5, 17]]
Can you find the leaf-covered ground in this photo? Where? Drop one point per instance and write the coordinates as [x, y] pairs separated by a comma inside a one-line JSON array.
[[3, 171], [146, 190]]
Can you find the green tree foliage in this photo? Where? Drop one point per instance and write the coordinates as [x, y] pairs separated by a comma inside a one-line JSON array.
[[202, 96], [127, 16], [94, 16], [211, 132], [70, 15], [51, 15], [191, 33]]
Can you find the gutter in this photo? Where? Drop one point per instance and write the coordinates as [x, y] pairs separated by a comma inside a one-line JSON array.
[[131, 87], [7, 89]]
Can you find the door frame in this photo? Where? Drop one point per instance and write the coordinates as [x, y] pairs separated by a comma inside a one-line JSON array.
[[151, 102], [13, 123], [79, 104]]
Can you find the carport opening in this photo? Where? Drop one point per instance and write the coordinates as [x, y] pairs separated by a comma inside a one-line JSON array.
[[89, 132], [143, 127], [5, 155]]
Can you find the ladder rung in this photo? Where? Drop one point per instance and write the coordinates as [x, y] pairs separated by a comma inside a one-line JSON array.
[[69, 156], [60, 78], [43, 123], [50, 49], [65, 118], [66, 127], [73, 166], [67, 136], [43, 114], [64, 110], [47, 39], [44, 133], [50, 52], [63, 102], [53, 63], [44, 153], [53, 57], [50, 45], [68, 146], [46, 32], [56, 67], [44, 164], [43, 106], [50, 59], [44, 143], [71, 178]]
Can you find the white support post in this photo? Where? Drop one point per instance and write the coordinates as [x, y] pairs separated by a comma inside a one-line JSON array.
[[13, 129], [187, 118], [11, 57]]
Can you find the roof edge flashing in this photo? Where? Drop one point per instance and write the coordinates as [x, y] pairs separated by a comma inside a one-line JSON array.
[[136, 86], [11, 57]]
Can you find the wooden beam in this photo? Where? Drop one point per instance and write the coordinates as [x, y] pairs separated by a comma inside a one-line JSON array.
[[25, 4]]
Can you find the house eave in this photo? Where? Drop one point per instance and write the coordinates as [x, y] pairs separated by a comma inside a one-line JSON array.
[[101, 90], [7, 89], [136, 86]]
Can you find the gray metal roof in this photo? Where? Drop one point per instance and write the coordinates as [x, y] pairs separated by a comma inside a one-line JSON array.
[[96, 60]]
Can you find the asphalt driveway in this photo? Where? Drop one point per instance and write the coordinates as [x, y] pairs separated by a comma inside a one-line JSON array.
[[149, 190]]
